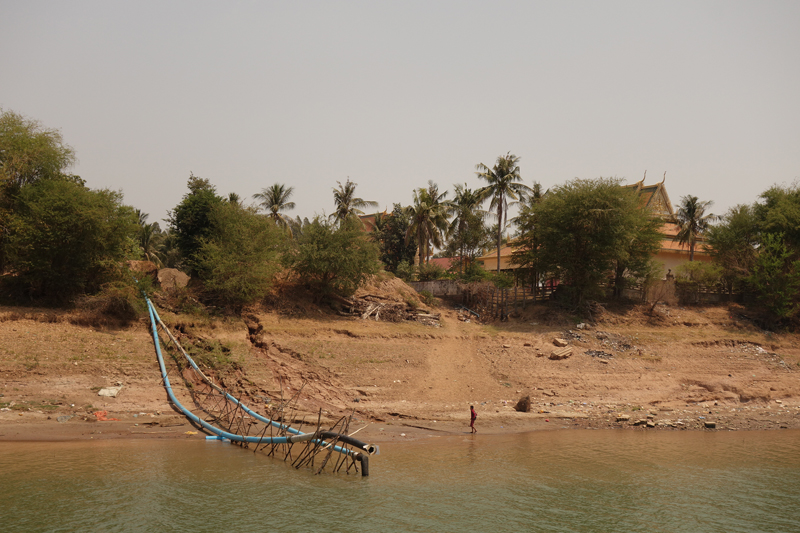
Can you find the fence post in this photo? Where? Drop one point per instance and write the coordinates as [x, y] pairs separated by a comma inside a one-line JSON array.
[[515, 298]]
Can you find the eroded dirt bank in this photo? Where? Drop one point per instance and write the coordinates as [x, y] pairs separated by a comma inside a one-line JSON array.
[[684, 368]]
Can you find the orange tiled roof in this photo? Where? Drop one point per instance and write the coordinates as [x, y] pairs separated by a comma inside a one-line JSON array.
[[444, 262]]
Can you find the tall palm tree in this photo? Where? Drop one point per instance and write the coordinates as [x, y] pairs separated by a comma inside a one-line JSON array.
[[347, 204], [527, 223], [693, 221], [150, 238], [275, 199], [141, 217], [150, 242], [465, 210], [428, 219], [504, 182]]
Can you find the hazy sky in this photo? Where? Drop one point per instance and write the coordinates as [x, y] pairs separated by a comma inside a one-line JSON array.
[[393, 94]]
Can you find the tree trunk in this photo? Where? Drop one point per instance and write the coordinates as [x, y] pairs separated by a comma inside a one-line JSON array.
[[499, 230]]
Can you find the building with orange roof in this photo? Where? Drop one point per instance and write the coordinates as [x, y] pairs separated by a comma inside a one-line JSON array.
[[653, 198], [672, 253]]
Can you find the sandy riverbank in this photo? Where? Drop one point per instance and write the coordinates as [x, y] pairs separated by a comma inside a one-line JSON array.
[[680, 369]]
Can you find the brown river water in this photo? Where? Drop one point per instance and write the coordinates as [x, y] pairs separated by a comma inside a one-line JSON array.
[[565, 481]]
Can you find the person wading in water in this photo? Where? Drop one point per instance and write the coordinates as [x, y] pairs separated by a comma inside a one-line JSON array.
[[472, 416]]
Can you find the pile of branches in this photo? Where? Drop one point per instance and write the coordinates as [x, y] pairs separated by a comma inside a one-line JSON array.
[[372, 306]]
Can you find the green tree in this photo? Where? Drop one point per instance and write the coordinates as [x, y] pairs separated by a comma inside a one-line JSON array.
[[169, 252], [66, 240], [391, 238], [692, 278], [467, 229], [778, 211], [582, 228], [428, 220], [776, 277], [640, 241], [347, 203], [150, 242], [150, 239], [527, 253], [693, 222], [503, 182], [238, 259], [333, 258], [30, 152], [234, 199], [734, 243], [190, 220], [274, 200]]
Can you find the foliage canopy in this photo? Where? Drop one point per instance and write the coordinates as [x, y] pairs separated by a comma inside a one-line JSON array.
[[333, 258], [66, 239], [238, 260], [190, 220], [586, 229]]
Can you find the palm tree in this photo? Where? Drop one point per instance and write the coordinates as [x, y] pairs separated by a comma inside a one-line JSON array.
[[428, 221], [464, 208], [347, 204], [692, 221], [275, 199], [527, 222], [141, 217], [503, 183], [150, 238], [150, 242]]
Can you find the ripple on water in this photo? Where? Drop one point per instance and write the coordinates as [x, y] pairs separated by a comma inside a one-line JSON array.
[[542, 481]]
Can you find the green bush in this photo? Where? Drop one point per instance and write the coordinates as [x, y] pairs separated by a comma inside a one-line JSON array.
[[405, 271], [117, 304], [333, 258], [694, 277], [430, 272], [473, 272], [427, 297], [502, 280], [776, 277], [238, 261], [66, 240]]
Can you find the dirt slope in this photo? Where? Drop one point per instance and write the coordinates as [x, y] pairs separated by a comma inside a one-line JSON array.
[[683, 367]]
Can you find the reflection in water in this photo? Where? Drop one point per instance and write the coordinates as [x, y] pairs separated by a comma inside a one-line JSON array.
[[542, 481]]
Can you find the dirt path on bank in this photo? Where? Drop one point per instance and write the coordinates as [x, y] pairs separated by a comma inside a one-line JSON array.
[[683, 368]]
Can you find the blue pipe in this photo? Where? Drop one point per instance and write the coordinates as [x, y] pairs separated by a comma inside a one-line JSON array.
[[296, 437], [194, 417]]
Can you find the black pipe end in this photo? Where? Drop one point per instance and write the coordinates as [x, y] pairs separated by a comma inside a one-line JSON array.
[[364, 459]]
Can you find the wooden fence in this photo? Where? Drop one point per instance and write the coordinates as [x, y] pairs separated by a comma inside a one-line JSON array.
[[501, 302]]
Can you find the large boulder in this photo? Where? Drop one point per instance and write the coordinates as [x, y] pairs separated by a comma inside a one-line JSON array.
[[171, 278], [523, 405], [143, 268]]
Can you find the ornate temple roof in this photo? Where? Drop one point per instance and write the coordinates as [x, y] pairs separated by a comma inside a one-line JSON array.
[[654, 197]]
